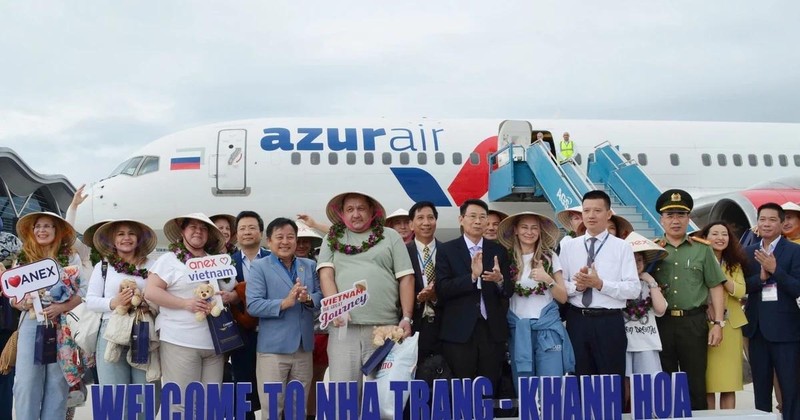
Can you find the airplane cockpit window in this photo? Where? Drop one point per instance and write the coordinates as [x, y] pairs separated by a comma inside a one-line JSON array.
[[315, 158], [457, 158], [351, 158], [706, 159], [386, 158], [642, 158], [119, 169], [722, 160], [130, 168], [438, 157], [782, 160], [422, 159], [768, 160], [474, 159], [149, 165], [369, 158], [404, 158], [737, 159], [752, 159], [674, 159], [333, 158], [295, 158]]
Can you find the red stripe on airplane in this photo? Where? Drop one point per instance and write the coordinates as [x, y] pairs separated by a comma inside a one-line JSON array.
[[472, 181], [778, 196]]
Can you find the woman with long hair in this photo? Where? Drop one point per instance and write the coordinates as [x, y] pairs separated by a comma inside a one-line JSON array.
[[539, 344], [41, 390], [124, 246], [724, 372]]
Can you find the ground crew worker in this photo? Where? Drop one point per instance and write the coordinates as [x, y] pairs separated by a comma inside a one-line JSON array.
[[567, 147], [687, 276]]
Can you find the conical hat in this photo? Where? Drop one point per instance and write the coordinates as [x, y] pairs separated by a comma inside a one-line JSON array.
[[548, 231], [623, 225], [397, 213], [334, 207], [172, 230], [650, 250], [789, 206], [303, 231], [104, 240], [564, 216], [500, 214], [88, 234], [25, 224], [231, 222]]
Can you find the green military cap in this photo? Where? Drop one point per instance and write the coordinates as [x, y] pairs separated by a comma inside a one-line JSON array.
[[674, 200]]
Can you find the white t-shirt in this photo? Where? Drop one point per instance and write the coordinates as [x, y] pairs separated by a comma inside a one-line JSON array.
[[178, 326], [100, 293], [643, 334], [531, 306]]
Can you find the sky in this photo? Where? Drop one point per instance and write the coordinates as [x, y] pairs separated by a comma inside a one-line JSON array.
[[85, 84]]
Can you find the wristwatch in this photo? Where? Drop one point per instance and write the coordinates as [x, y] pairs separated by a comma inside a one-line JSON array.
[[652, 285], [720, 323], [409, 320], [551, 285]]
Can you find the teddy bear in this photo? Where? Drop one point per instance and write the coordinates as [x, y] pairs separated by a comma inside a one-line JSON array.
[[392, 332], [206, 292], [136, 300]]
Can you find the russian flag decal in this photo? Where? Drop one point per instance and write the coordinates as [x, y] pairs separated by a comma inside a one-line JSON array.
[[183, 163]]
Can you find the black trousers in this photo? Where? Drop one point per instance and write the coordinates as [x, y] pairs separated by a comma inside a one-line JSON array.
[[684, 342], [599, 342], [428, 337], [479, 356], [782, 358], [243, 367]]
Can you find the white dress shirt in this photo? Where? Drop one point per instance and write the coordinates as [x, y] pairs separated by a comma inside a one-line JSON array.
[[615, 266]]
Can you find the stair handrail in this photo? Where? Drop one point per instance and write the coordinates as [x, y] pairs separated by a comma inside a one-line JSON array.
[[556, 167]]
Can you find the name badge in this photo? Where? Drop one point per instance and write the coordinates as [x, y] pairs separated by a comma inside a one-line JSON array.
[[769, 293]]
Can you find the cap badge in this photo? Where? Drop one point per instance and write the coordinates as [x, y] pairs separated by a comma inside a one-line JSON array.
[[675, 197]]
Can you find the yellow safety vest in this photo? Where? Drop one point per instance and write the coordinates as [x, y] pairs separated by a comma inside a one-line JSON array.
[[566, 149]]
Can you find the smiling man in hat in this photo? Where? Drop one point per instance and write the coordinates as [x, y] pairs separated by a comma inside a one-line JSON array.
[[358, 247], [688, 275], [791, 221]]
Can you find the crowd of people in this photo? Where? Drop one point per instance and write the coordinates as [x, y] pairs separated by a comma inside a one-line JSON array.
[[507, 298]]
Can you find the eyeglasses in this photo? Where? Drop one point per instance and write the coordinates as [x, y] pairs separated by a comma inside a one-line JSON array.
[[43, 227]]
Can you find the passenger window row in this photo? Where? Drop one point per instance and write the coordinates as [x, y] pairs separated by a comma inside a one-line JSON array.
[[752, 160], [386, 158]]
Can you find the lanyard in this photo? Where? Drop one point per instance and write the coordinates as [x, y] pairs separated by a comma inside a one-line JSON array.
[[596, 251]]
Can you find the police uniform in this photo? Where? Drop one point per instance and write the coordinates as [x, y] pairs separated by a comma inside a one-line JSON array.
[[685, 276]]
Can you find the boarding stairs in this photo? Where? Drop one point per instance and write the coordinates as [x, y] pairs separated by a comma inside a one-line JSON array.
[[521, 171]]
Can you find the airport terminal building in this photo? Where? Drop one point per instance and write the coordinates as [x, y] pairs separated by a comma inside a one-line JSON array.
[[23, 190]]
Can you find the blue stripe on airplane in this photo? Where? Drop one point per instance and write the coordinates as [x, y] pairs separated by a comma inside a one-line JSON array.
[[421, 186]]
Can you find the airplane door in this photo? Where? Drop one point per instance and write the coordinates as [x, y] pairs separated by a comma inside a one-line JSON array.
[[231, 161]]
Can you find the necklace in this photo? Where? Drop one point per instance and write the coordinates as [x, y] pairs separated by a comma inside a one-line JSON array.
[[180, 251], [123, 267], [540, 287], [337, 231]]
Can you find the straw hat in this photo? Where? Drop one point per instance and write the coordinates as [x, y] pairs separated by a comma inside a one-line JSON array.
[[548, 231], [231, 222], [623, 225], [500, 214], [172, 230], [303, 231], [397, 214], [88, 234], [789, 206], [564, 216], [26, 222], [650, 250], [334, 207], [104, 237]]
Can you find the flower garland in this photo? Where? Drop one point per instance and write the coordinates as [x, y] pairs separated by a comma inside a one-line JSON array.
[[636, 309], [180, 251], [337, 231], [64, 252], [123, 267], [231, 249], [540, 288]]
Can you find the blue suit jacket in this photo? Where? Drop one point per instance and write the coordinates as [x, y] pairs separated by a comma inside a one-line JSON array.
[[778, 321], [282, 331], [237, 258]]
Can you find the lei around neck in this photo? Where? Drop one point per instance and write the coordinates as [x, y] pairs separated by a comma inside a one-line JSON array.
[[540, 287], [122, 267], [337, 231]]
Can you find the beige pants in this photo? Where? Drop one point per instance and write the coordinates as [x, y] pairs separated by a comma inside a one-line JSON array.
[[347, 354], [282, 368], [184, 365]]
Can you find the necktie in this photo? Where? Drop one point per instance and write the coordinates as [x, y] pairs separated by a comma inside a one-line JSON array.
[[586, 299], [474, 250], [430, 276]]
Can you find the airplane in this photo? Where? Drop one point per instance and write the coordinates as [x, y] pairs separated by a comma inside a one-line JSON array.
[[282, 167]]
